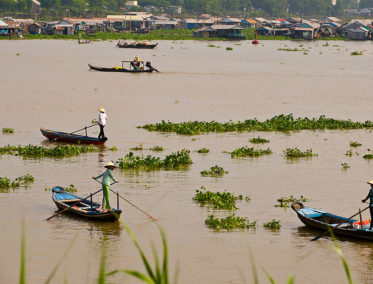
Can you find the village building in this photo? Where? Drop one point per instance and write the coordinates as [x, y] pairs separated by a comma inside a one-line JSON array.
[[34, 29], [220, 31], [360, 33]]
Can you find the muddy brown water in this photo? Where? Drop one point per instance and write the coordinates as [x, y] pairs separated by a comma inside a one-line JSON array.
[[48, 84]]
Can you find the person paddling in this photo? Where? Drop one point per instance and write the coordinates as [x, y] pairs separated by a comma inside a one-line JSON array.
[[370, 196], [106, 176], [102, 122]]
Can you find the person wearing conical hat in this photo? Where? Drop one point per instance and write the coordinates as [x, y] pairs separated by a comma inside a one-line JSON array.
[[102, 122], [370, 196], [106, 177]]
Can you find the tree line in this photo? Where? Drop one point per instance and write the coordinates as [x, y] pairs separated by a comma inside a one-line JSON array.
[[237, 8]]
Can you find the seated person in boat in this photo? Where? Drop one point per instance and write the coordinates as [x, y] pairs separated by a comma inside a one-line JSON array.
[[370, 196], [106, 177], [136, 63], [102, 122]]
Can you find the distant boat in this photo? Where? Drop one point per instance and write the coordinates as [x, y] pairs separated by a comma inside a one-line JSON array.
[[339, 225], [133, 67], [81, 41], [84, 209], [72, 138], [140, 44]]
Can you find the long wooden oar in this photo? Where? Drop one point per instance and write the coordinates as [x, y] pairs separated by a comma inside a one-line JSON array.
[[147, 214], [54, 139], [319, 236]]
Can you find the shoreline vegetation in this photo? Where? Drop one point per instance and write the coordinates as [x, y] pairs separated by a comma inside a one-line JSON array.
[[176, 34], [280, 123]]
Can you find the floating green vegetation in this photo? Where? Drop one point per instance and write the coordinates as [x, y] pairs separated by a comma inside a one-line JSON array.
[[291, 49], [291, 153], [71, 188], [113, 148], [369, 155], [349, 153], [355, 144], [213, 45], [326, 44], [229, 223], [217, 200], [258, 140], [285, 201], [345, 166], [172, 161], [283, 123], [138, 148], [33, 151], [203, 151], [272, 225], [6, 184], [357, 53], [229, 48], [250, 152], [157, 148], [214, 171], [7, 130]]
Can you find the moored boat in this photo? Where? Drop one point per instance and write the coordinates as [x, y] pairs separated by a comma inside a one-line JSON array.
[[83, 208], [140, 44], [142, 68], [323, 220], [70, 137]]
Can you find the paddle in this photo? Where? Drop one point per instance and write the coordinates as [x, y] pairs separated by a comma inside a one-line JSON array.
[[72, 205], [54, 139], [319, 236], [151, 217]]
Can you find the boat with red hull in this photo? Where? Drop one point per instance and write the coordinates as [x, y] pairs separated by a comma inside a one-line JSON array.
[[71, 138]]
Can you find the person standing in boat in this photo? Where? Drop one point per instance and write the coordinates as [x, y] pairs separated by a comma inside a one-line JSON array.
[[101, 122], [136, 63], [370, 197], [106, 177]]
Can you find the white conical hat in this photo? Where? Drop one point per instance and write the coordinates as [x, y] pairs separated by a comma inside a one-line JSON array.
[[370, 182], [110, 164], [101, 109]]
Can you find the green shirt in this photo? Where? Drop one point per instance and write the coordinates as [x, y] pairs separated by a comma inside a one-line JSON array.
[[106, 176]]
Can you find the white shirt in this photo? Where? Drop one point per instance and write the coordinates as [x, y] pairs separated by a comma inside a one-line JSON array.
[[102, 118]]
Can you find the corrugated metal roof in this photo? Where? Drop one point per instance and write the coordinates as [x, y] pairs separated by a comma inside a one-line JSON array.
[[3, 24], [126, 17], [225, 27]]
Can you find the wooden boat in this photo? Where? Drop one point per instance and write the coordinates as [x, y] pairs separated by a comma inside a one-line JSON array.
[[83, 41], [84, 209], [144, 45], [70, 137], [142, 68], [339, 225]]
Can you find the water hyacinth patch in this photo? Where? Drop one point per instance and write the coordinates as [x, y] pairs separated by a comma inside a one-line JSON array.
[[369, 155], [217, 200], [345, 166], [355, 144], [113, 148], [172, 161], [157, 148], [229, 223], [203, 151], [214, 171], [258, 140], [272, 225], [33, 151], [138, 148], [296, 153], [356, 53], [285, 201], [7, 131], [6, 184], [250, 152], [283, 123]]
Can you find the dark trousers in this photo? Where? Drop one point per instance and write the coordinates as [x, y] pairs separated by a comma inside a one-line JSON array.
[[102, 134], [371, 217]]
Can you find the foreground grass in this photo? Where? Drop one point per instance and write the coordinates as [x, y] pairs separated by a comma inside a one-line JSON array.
[[282, 123]]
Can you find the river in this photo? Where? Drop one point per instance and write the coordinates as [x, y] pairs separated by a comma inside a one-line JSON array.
[[47, 83]]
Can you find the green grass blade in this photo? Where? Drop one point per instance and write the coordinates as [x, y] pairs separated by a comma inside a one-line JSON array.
[[102, 272], [62, 258], [255, 272], [165, 256], [269, 276], [290, 279], [140, 276], [157, 269], [22, 272]]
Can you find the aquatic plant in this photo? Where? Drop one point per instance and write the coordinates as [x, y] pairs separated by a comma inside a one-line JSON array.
[[258, 140], [217, 200], [285, 201], [33, 151], [355, 144], [6, 184], [326, 44], [296, 153], [283, 123], [157, 148], [345, 166], [273, 225], [203, 151], [214, 171], [229, 48], [138, 148], [8, 130], [349, 153], [356, 53], [249, 152], [369, 155], [229, 223], [71, 188], [113, 148], [291, 49], [171, 161]]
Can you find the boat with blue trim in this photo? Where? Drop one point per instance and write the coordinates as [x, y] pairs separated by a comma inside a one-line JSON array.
[[339, 225], [82, 207]]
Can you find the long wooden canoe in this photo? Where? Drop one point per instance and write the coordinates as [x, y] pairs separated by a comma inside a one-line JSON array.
[[136, 45], [72, 138], [86, 208], [323, 220], [120, 69]]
